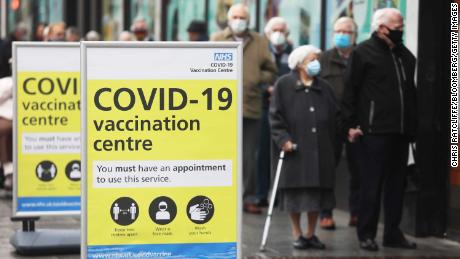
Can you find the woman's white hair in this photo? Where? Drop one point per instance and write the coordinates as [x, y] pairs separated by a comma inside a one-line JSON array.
[[298, 55], [275, 21], [381, 16]]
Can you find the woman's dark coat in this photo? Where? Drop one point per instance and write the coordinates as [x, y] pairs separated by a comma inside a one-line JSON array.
[[307, 117]]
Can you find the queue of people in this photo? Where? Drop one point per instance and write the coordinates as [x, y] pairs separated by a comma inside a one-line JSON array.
[[357, 98]]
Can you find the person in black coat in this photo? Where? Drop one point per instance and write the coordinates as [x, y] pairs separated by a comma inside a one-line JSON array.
[[303, 112], [379, 111], [19, 34]]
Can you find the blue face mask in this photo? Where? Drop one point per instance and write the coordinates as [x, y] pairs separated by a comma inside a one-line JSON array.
[[313, 68], [342, 40]]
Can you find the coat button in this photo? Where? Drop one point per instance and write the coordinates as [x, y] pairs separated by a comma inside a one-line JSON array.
[[307, 90], [312, 109], [313, 130]]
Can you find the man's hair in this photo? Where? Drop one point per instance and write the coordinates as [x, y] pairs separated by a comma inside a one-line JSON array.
[[274, 21], [137, 20], [349, 20], [381, 17], [72, 30], [53, 26], [20, 27], [235, 6]]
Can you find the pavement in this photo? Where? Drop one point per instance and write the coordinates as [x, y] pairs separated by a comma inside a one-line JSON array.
[[341, 243]]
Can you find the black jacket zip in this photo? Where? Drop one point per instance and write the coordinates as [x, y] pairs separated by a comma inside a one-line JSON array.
[[401, 97]]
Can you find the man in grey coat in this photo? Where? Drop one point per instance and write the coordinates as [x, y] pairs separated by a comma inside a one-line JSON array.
[[333, 64], [259, 72]]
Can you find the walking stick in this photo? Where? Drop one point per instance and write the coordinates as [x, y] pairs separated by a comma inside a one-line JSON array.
[[272, 199]]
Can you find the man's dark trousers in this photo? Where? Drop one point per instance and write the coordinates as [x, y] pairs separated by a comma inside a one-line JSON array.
[[251, 129], [384, 160]]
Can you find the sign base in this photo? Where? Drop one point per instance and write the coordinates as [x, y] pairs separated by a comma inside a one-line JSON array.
[[46, 241]]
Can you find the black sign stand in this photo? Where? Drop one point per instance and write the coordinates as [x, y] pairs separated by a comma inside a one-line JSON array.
[[30, 241]]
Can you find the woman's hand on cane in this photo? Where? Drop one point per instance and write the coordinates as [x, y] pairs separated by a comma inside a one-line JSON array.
[[288, 146]]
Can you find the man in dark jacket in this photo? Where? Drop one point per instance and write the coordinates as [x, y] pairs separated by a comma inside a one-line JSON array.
[[277, 32], [379, 107], [19, 34], [333, 64], [259, 72]]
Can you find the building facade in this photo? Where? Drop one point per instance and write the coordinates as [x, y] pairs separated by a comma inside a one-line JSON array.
[[432, 204]]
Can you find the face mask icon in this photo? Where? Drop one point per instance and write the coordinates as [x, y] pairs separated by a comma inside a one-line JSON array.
[[75, 173], [163, 213], [162, 210], [73, 170]]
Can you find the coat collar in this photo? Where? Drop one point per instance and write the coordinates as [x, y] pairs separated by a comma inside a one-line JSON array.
[[287, 49], [336, 58], [382, 44], [300, 86], [228, 35], [379, 41]]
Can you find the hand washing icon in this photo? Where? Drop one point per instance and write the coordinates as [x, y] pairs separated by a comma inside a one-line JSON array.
[[200, 209]]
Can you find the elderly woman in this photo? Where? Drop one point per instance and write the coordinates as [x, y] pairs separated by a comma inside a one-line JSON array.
[[303, 112]]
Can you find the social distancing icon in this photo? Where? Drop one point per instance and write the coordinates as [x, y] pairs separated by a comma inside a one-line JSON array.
[[124, 211], [46, 171]]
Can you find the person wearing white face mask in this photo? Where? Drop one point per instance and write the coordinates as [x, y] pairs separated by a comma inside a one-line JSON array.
[[259, 72], [334, 62], [303, 111], [276, 32]]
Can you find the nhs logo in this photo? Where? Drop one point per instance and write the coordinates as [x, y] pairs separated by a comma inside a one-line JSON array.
[[223, 56]]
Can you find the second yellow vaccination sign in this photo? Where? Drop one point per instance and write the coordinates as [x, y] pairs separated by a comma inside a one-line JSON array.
[[47, 129]]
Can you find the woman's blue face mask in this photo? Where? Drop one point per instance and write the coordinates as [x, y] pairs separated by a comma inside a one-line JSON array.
[[313, 68]]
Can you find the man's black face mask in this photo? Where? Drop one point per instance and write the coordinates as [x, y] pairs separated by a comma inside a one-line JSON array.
[[395, 36]]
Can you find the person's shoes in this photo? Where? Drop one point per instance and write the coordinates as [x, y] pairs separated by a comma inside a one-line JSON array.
[[251, 208], [327, 223], [368, 244], [314, 242], [353, 221], [400, 243], [262, 203], [300, 243]]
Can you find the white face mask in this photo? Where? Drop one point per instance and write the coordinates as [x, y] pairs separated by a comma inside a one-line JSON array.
[[277, 38], [238, 25]]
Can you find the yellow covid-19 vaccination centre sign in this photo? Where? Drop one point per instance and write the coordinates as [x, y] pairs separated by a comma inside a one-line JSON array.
[[47, 129], [162, 134]]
